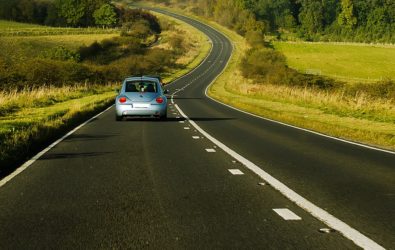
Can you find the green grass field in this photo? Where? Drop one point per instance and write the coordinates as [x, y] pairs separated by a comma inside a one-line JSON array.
[[346, 62], [28, 40], [8, 28], [15, 25], [32, 46]]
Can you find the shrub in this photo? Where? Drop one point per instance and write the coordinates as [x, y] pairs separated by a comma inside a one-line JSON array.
[[43, 71], [90, 51], [177, 44], [257, 63], [132, 15], [74, 72], [382, 89], [269, 66], [62, 54], [255, 39], [139, 28]]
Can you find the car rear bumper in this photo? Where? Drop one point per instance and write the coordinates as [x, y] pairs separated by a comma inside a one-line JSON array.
[[152, 110]]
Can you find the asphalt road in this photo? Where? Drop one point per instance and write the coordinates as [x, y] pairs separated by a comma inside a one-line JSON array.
[[149, 184]]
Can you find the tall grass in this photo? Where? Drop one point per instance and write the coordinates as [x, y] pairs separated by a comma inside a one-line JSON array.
[[30, 118], [14, 100], [337, 102]]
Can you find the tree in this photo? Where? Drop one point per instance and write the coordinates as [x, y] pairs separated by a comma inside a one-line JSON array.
[[105, 15], [72, 10], [91, 7], [346, 17], [311, 16], [26, 11]]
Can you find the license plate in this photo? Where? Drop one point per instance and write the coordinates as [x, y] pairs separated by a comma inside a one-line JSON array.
[[141, 105]]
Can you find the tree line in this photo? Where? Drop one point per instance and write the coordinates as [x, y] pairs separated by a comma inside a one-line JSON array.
[[72, 13], [325, 20]]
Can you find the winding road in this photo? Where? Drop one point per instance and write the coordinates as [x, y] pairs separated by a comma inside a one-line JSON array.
[[209, 177]]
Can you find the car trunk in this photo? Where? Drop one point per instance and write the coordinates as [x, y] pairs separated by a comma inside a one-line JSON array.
[[141, 96]]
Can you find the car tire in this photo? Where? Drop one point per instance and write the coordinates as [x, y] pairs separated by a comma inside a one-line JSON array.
[[118, 118]]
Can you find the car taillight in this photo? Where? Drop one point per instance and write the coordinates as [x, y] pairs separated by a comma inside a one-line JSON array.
[[159, 100], [122, 99]]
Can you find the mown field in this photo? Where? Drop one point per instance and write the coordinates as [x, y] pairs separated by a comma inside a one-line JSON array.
[[349, 62], [31, 117]]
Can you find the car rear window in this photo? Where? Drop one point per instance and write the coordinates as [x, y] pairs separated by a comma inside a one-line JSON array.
[[141, 86]]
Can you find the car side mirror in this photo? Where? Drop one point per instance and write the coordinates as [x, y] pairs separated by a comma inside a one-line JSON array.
[[166, 91]]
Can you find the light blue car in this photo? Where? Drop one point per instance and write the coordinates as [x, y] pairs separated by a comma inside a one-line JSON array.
[[141, 97]]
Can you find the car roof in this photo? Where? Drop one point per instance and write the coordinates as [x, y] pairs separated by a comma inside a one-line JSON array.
[[142, 78]]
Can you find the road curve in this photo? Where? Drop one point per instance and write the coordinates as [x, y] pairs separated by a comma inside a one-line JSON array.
[[153, 184]]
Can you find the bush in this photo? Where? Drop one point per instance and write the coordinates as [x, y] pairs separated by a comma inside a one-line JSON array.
[[257, 63], [177, 44], [382, 89], [130, 16], [43, 71], [255, 39], [75, 72], [269, 66], [140, 29], [87, 52], [62, 54]]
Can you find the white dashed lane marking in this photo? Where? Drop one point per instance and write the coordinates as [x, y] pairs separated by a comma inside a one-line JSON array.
[[186, 128], [358, 238], [210, 150], [236, 171], [195, 137], [286, 214]]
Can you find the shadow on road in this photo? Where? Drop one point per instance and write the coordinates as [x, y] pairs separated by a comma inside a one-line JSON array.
[[187, 98], [72, 155], [171, 119], [88, 137]]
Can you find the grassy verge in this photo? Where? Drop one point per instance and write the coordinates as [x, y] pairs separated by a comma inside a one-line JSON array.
[[42, 115], [32, 118], [357, 118]]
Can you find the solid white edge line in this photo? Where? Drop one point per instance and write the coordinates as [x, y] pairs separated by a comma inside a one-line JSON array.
[[39, 155], [282, 123], [303, 129], [358, 238]]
